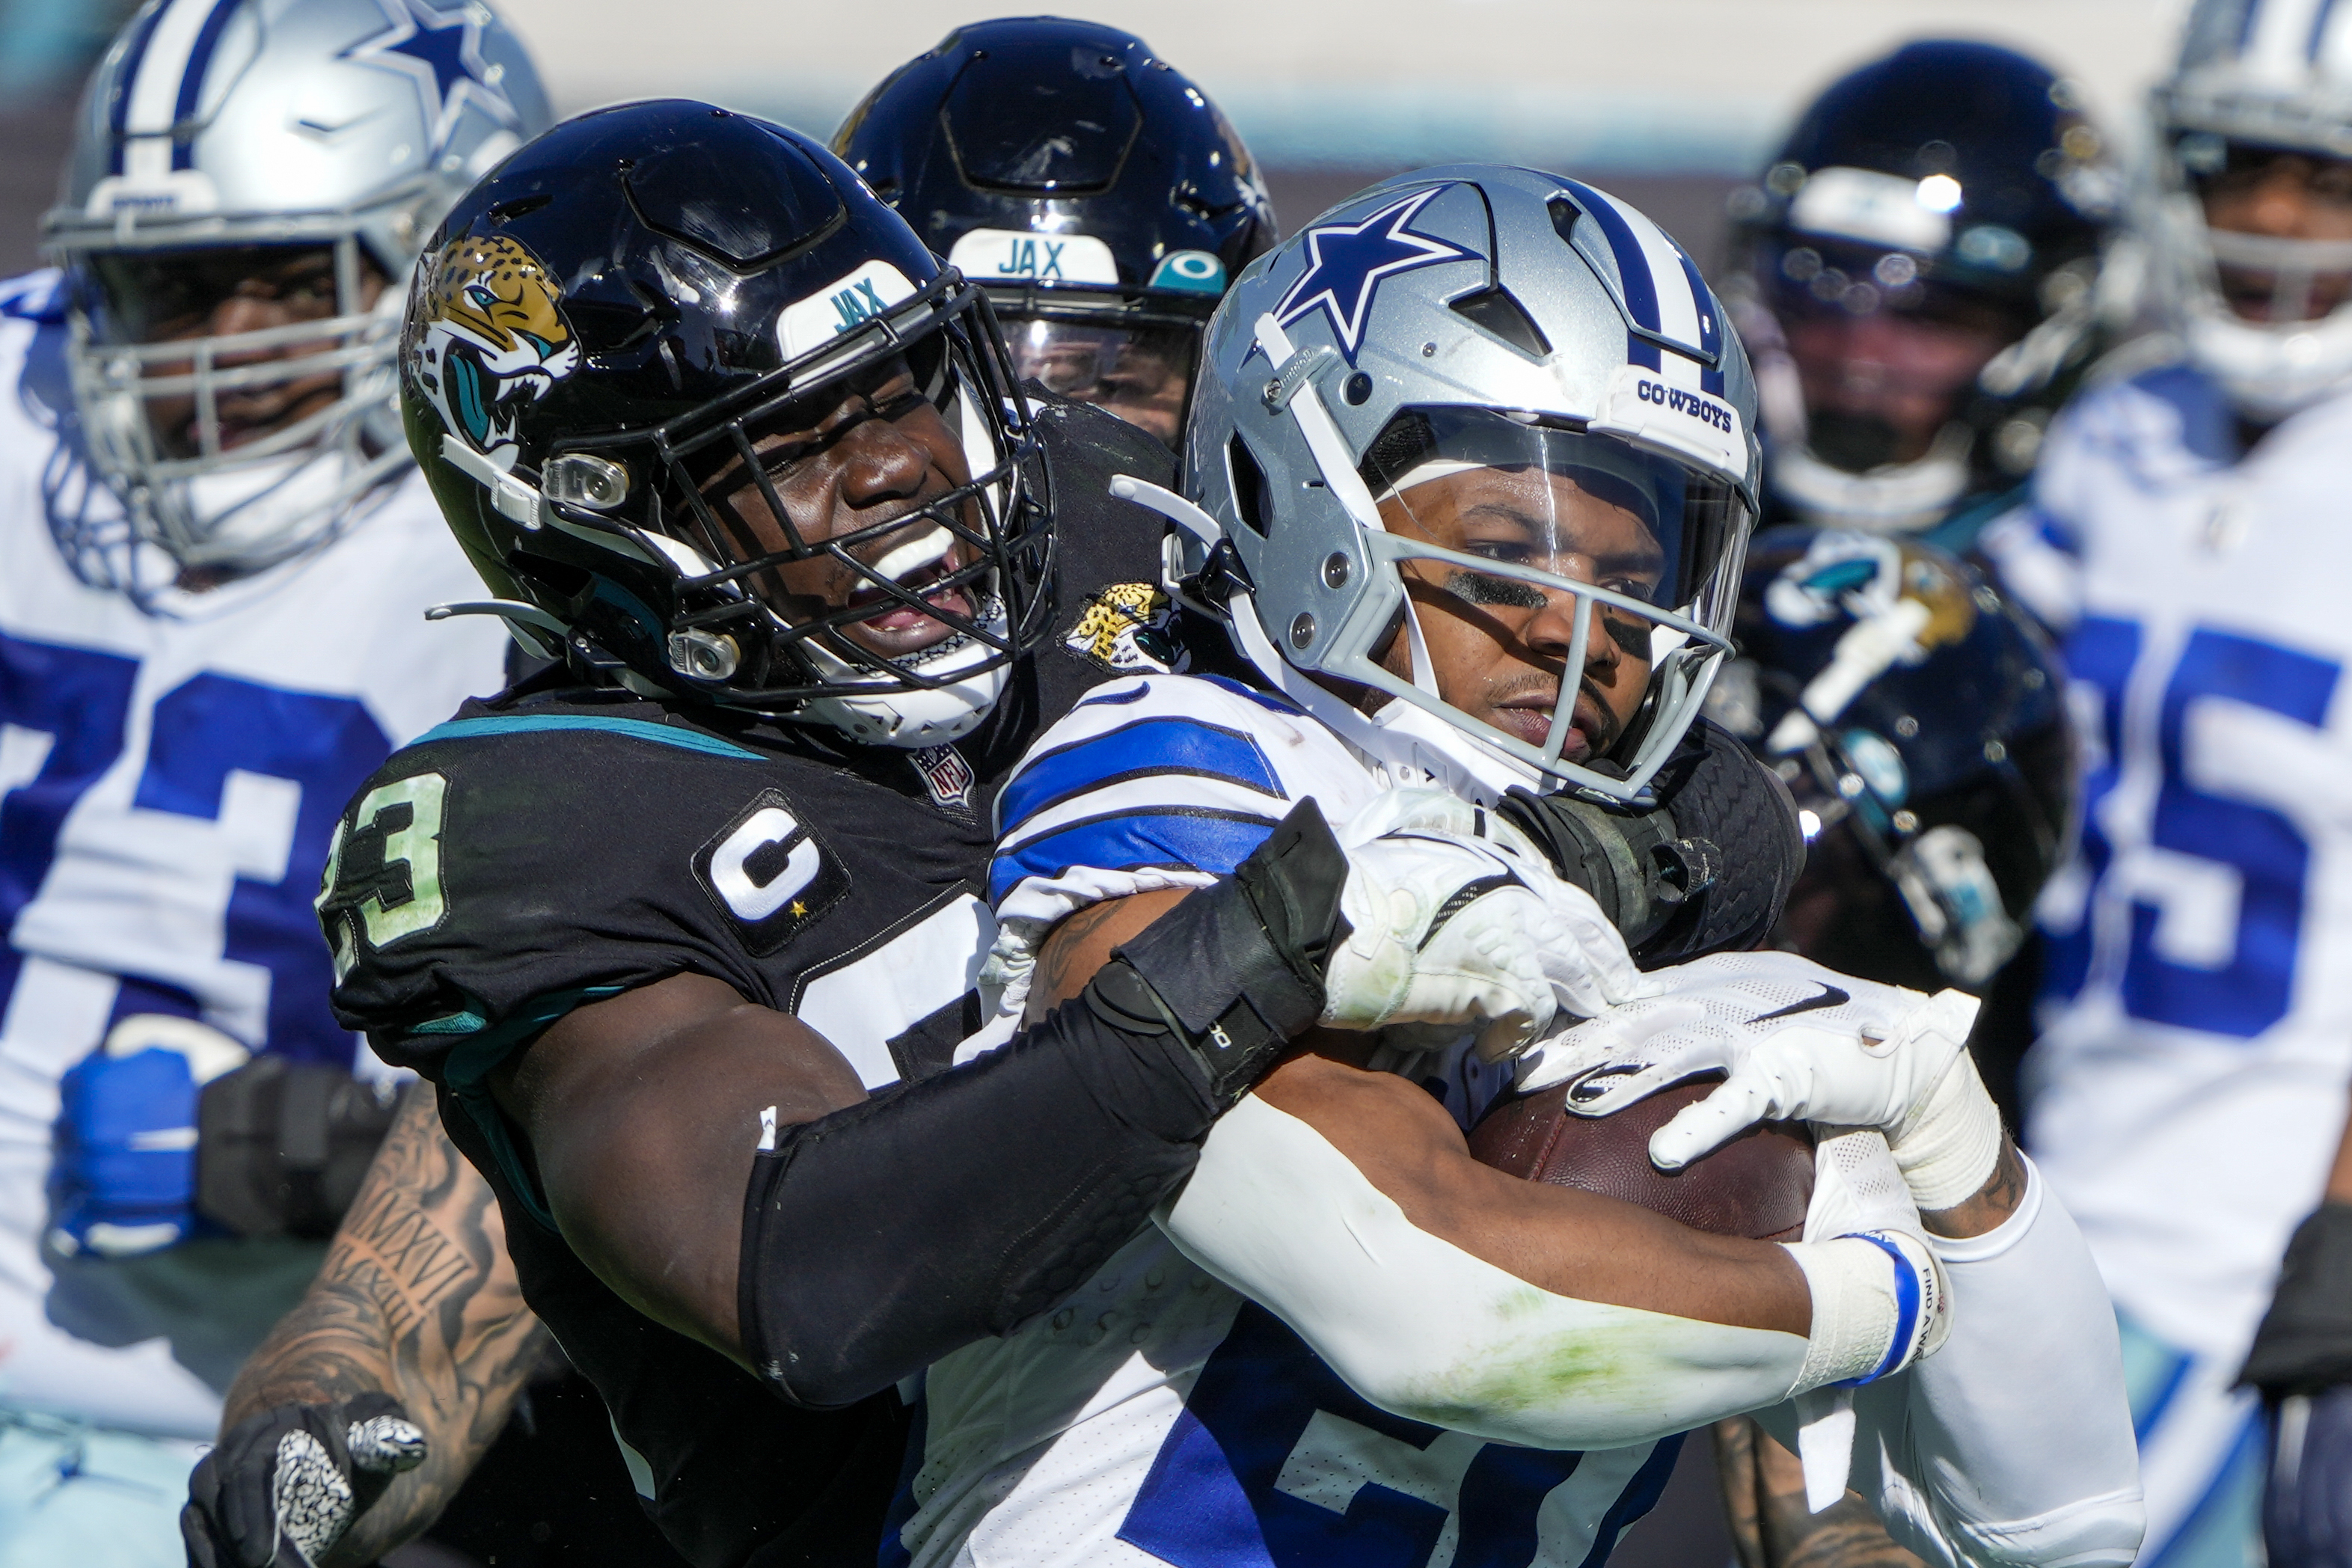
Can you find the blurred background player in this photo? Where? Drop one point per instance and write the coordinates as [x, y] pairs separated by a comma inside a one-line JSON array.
[[1919, 718], [1095, 192], [1916, 275], [211, 626], [2189, 1088]]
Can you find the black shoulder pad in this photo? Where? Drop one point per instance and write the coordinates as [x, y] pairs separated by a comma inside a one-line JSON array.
[[1717, 791]]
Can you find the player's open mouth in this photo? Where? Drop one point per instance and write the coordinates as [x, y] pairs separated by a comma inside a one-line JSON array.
[[897, 627]]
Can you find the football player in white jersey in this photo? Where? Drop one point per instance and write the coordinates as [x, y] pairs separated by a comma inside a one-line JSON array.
[[2188, 1087], [211, 626], [1349, 1342]]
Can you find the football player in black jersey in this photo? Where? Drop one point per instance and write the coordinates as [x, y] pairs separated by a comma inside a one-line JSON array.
[[1093, 189], [684, 930]]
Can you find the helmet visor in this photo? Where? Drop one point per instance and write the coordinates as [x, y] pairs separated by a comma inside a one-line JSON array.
[[1562, 581], [1140, 372]]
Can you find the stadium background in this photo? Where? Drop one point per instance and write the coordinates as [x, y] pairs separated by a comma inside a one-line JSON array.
[[1669, 104]]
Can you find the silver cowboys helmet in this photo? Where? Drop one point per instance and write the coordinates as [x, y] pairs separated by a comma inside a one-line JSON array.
[[221, 138], [1513, 388], [2255, 78]]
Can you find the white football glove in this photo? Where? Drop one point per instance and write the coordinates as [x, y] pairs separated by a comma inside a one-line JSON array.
[[1795, 1041], [1453, 933], [1586, 961]]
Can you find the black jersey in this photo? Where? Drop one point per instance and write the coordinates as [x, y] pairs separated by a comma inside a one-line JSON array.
[[557, 845]]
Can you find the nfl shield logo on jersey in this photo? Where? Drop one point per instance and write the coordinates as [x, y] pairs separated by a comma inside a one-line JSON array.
[[946, 775]]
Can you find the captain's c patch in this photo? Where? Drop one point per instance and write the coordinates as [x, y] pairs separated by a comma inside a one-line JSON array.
[[771, 874]]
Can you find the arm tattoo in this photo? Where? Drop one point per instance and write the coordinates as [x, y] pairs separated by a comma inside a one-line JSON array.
[[1060, 952], [418, 1298], [1990, 1204], [1764, 1493]]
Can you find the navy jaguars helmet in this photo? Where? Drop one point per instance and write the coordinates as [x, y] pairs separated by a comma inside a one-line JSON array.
[[1915, 275], [1095, 191], [1920, 722], [701, 408]]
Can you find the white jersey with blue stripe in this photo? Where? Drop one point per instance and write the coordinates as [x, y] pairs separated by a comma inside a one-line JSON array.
[[168, 782], [2190, 1085], [1157, 1417]]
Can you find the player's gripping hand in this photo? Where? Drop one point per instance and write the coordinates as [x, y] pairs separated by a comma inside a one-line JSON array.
[[1450, 929], [125, 1173], [1881, 1299], [1795, 1041], [285, 1485]]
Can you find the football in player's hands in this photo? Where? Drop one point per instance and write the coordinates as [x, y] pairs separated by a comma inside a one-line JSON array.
[[1757, 1186]]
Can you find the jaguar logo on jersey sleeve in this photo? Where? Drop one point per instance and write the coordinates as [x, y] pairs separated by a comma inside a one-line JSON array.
[[489, 336], [771, 873], [1126, 629]]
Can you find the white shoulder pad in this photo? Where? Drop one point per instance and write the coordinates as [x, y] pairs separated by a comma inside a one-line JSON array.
[[1159, 782]]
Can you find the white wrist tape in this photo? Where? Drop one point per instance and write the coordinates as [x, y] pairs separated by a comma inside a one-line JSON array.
[[1947, 1147], [1879, 1304], [1428, 1331]]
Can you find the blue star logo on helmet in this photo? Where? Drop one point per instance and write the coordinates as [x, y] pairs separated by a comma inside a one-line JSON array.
[[441, 52], [1346, 263]]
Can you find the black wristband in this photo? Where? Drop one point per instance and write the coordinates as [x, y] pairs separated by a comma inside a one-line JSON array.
[[281, 1146], [2304, 1344], [1704, 869], [1238, 969]]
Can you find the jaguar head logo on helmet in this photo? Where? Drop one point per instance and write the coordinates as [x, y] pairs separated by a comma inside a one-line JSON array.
[[488, 334]]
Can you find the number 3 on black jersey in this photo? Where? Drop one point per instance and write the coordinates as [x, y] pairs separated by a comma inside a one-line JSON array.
[[383, 879]]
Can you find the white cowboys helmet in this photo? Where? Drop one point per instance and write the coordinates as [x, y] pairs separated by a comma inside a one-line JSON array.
[[2255, 78], [218, 137], [1510, 326]]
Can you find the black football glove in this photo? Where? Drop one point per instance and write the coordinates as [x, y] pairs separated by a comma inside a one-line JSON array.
[[285, 1485], [2304, 1346]]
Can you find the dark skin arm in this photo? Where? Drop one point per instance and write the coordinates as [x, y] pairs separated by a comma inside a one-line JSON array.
[[642, 1114], [1570, 1242], [419, 1299], [1764, 1496]]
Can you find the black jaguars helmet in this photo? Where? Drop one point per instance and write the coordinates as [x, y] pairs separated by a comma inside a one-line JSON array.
[[700, 407], [1092, 187], [1956, 184], [1920, 722]]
